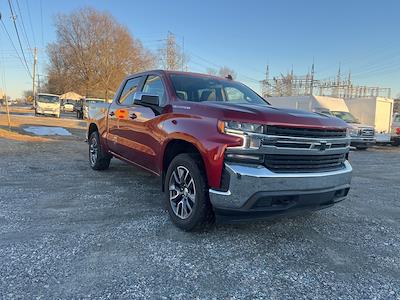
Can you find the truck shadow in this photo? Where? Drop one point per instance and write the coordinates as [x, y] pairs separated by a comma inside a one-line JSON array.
[[140, 193]]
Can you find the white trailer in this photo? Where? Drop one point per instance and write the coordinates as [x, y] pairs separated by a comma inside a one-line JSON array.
[[362, 135], [374, 111], [310, 103]]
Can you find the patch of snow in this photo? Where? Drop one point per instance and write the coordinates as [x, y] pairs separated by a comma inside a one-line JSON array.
[[45, 130]]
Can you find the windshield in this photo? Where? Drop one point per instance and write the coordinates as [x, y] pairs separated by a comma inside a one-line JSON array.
[[200, 89], [345, 116], [397, 118], [48, 99], [94, 100]]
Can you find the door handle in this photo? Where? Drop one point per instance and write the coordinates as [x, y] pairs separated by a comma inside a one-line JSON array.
[[133, 116], [112, 114]]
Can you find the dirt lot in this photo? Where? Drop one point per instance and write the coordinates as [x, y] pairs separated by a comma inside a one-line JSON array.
[[69, 232]]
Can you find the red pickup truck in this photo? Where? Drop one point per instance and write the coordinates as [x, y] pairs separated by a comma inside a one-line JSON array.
[[220, 149]]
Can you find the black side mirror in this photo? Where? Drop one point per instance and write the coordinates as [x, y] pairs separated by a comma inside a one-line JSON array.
[[151, 100], [147, 99]]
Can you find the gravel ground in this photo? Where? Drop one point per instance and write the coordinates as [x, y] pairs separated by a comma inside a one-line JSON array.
[[69, 232]]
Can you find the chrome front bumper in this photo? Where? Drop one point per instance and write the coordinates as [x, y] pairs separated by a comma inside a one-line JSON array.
[[248, 184], [363, 140]]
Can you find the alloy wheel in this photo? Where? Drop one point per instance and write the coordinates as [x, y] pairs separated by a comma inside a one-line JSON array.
[[93, 151], [182, 192]]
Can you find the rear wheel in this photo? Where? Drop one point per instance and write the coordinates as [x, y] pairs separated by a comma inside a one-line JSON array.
[[187, 196], [97, 158]]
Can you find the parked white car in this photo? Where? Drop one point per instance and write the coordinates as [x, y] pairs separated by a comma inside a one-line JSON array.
[[68, 106], [48, 104]]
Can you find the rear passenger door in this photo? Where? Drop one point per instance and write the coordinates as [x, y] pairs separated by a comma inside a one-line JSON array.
[[119, 116]]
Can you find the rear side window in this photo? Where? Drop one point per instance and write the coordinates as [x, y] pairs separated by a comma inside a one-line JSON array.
[[154, 86], [129, 90]]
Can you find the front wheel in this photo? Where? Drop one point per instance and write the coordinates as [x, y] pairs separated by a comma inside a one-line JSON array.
[[395, 142], [187, 197], [97, 158]]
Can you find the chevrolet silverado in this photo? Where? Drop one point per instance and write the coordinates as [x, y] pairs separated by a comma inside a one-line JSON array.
[[220, 149]]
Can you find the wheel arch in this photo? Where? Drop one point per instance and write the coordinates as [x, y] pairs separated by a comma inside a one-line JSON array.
[[172, 149], [92, 128]]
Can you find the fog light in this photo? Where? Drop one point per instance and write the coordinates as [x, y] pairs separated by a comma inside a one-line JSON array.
[[244, 158]]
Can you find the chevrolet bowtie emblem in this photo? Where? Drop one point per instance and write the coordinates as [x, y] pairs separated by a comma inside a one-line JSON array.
[[321, 146]]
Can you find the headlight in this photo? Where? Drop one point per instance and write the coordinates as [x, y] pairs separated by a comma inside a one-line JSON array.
[[241, 127], [354, 132], [244, 130]]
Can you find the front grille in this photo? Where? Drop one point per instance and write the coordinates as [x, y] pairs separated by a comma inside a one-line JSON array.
[[305, 132], [367, 132], [304, 163]]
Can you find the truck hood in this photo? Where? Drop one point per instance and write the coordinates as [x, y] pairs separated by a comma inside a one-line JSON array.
[[269, 115], [45, 105], [360, 126]]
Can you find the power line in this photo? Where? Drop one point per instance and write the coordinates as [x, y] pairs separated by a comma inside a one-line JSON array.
[[15, 48], [30, 21], [23, 25], [19, 40], [41, 21], [220, 66]]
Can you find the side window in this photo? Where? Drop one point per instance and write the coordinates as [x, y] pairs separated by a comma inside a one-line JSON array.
[[155, 86], [129, 90], [234, 95]]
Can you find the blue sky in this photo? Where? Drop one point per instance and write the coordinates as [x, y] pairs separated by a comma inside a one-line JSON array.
[[363, 36]]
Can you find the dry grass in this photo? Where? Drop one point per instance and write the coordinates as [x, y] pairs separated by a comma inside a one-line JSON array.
[[16, 109], [18, 121], [11, 135]]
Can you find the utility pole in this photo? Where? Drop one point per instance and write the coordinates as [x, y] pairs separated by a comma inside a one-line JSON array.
[[34, 75], [348, 85], [183, 53], [312, 79], [8, 112], [38, 84], [337, 92], [5, 99]]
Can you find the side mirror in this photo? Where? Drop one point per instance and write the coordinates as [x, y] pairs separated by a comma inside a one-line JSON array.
[[147, 99]]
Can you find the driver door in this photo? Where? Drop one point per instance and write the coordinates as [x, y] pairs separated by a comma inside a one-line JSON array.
[[119, 116], [141, 135]]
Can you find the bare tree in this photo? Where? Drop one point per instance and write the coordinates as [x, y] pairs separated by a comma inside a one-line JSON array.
[[92, 54], [225, 71], [171, 55], [211, 71], [28, 95]]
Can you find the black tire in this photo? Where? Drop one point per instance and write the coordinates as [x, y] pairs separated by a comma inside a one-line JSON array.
[[201, 211], [98, 160], [395, 142]]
